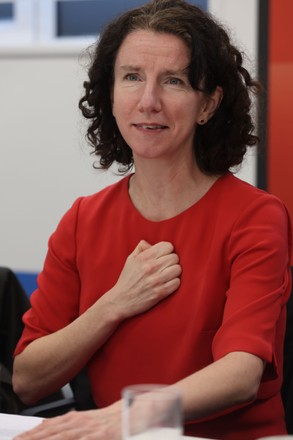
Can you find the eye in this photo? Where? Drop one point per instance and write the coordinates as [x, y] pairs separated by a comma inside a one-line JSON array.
[[132, 77], [175, 81]]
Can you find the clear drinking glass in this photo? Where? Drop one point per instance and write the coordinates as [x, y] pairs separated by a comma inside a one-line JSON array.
[[151, 412]]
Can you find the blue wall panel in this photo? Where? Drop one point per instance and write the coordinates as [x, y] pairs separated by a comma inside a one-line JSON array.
[[28, 281]]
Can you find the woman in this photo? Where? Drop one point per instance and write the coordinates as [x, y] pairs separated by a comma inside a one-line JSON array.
[[179, 273]]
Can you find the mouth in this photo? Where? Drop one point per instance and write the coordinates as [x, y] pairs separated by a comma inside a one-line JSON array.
[[150, 127]]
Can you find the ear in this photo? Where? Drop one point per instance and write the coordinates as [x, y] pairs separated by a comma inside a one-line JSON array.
[[210, 106]]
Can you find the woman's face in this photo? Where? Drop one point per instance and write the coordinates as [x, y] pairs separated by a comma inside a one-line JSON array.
[[155, 107]]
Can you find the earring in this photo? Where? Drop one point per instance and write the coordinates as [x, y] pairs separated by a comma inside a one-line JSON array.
[[202, 121]]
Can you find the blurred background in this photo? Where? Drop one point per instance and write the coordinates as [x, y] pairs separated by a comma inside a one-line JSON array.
[[45, 162]]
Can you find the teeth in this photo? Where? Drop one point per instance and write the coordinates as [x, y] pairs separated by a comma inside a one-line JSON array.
[[152, 127]]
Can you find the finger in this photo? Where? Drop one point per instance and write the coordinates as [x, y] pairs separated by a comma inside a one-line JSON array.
[[166, 282], [47, 429], [39, 433], [160, 249], [170, 287], [170, 273], [35, 433], [158, 265], [168, 261], [142, 246]]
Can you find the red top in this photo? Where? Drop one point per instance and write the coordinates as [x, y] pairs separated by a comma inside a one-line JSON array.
[[234, 247]]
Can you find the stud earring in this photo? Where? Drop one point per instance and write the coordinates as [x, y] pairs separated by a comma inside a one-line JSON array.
[[202, 121]]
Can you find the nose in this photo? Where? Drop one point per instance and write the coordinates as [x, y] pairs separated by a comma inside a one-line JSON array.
[[150, 99]]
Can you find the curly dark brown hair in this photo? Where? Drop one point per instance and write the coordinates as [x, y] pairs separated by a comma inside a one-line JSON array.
[[214, 61]]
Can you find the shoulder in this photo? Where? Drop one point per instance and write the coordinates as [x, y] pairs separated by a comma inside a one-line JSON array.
[[88, 209], [236, 186], [241, 196], [117, 192], [255, 214], [243, 207]]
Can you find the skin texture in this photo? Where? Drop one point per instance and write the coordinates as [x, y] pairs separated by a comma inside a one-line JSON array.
[[157, 112], [153, 103]]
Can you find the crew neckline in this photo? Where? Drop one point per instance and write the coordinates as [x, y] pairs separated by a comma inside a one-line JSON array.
[[196, 204]]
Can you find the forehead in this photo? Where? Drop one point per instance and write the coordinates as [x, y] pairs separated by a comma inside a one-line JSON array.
[[146, 45]]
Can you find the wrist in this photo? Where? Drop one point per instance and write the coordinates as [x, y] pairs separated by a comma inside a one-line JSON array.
[[112, 310]]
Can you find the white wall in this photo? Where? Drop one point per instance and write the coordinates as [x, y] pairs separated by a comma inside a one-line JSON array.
[[44, 159], [45, 162], [240, 17]]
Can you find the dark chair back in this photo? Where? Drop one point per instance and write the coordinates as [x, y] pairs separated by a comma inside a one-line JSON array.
[[287, 387], [13, 304]]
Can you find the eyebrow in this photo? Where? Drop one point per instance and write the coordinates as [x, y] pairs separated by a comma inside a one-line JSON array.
[[128, 67], [132, 68], [177, 72]]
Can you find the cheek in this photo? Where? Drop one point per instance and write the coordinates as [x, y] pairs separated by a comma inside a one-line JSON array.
[[119, 105], [120, 115], [185, 116], [122, 109]]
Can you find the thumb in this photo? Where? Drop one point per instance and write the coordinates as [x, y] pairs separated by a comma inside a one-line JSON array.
[[142, 246]]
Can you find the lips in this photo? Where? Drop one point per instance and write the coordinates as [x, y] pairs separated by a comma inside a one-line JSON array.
[[151, 126]]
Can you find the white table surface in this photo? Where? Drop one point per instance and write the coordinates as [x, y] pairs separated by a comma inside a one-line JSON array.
[[11, 425]]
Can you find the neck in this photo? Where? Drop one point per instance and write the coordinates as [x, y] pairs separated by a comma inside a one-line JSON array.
[[162, 192]]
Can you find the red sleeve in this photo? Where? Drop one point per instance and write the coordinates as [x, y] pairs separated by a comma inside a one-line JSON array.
[[254, 316], [59, 278]]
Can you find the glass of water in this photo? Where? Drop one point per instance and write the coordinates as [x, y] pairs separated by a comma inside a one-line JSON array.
[[151, 412]]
